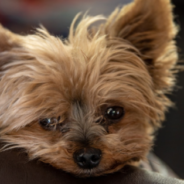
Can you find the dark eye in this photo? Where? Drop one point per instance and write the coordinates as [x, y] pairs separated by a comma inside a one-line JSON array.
[[48, 123], [114, 113]]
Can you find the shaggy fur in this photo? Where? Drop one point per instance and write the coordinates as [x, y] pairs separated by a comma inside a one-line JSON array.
[[127, 61]]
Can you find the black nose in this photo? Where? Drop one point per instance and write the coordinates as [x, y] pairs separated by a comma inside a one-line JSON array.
[[87, 158]]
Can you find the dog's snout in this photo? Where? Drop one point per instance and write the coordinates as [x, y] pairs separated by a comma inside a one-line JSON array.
[[87, 158]]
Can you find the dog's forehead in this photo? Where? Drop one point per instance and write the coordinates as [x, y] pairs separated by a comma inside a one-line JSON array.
[[90, 74]]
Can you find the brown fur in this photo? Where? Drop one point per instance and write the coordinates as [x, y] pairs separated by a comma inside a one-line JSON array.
[[128, 61]]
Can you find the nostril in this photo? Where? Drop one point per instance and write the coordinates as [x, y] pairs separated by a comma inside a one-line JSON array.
[[80, 158], [87, 158], [95, 158]]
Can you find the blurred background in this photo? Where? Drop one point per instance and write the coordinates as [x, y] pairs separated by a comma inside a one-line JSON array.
[[21, 16]]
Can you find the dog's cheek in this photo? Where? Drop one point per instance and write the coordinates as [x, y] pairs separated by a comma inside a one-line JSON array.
[[128, 145], [131, 120]]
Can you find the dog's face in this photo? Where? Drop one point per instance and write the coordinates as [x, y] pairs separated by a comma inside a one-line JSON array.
[[89, 105]]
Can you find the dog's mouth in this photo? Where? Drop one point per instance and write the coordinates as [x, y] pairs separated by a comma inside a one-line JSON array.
[[100, 170]]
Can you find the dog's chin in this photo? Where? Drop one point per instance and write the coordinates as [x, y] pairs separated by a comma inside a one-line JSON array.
[[98, 171], [95, 172]]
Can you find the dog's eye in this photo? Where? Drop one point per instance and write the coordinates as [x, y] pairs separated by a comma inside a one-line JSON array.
[[114, 113], [48, 123]]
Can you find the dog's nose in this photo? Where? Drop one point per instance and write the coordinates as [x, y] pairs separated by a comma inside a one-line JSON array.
[[87, 158]]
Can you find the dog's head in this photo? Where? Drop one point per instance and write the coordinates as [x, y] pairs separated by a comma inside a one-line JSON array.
[[89, 105]]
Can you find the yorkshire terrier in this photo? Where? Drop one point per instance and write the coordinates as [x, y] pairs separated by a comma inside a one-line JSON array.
[[90, 104]]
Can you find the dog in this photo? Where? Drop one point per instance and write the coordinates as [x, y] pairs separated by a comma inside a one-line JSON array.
[[90, 104]]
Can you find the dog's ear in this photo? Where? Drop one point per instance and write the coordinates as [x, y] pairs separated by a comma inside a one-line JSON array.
[[8, 42], [148, 26], [8, 39]]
